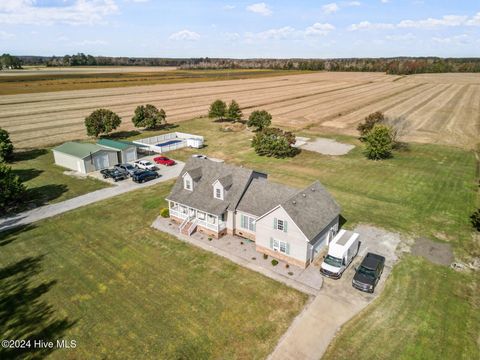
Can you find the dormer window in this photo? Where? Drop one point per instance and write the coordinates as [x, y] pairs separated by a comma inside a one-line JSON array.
[[218, 190], [187, 184]]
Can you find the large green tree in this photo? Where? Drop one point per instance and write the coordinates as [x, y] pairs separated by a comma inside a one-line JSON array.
[[102, 121], [370, 121], [259, 119], [149, 117], [234, 112], [379, 142], [218, 110], [6, 146], [12, 191], [274, 142]]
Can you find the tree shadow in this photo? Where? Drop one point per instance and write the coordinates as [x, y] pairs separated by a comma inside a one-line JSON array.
[[24, 313], [167, 126], [121, 134], [402, 146], [42, 195], [9, 236], [27, 174], [28, 154]]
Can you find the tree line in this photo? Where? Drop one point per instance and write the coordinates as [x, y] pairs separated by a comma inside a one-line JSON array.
[[8, 61]]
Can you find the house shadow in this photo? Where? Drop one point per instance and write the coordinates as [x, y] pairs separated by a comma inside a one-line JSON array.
[[28, 154], [341, 221], [27, 174], [24, 312]]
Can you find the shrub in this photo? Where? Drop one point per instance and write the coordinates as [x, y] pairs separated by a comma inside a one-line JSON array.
[[259, 119], [233, 112], [287, 266], [101, 121], [265, 256], [149, 117], [218, 110], [274, 262], [209, 238], [6, 146], [370, 121], [165, 213], [379, 143], [290, 273], [12, 191], [475, 219], [274, 142]]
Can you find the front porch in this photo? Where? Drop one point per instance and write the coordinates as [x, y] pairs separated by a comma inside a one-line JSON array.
[[243, 252], [190, 219]]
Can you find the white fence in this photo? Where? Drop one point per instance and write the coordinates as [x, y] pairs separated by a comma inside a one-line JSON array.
[[182, 140]]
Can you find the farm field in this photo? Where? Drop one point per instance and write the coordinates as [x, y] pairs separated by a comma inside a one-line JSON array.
[[126, 290], [433, 108]]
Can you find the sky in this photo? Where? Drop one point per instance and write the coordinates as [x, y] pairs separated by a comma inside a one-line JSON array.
[[241, 29]]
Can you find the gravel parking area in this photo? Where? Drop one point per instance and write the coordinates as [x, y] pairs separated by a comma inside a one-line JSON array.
[[327, 147]]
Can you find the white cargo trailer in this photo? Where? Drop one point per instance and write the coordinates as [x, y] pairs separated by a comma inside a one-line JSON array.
[[341, 251]]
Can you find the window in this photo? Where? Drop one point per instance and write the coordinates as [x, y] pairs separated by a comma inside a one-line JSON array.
[[247, 222], [211, 219], [183, 209], [218, 193], [188, 184], [201, 215], [280, 246], [280, 224]]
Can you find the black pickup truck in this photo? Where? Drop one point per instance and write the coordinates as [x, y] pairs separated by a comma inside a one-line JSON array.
[[113, 174], [368, 273]]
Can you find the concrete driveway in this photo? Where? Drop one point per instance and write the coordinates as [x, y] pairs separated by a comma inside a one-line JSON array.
[[43, 212], [337, 302]]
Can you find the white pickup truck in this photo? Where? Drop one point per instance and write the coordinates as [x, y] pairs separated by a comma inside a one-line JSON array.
[[341, 251], [144, 164]]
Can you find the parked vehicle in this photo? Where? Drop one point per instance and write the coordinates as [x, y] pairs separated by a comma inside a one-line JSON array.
[[163, 160], [145, 165], [127, 169], [113, 174], [140, 176], [368, 273], [341, 251], [199, 156]]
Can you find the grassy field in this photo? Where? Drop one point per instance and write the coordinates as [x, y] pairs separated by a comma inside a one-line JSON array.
[[425, 190], [425, 312], [37, 83], [120, 288], [46, 182]]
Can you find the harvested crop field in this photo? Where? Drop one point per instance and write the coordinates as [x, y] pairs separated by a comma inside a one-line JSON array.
[[433, 108]]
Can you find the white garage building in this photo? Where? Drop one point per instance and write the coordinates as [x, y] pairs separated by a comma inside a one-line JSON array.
[[83, 157], [127, 151]]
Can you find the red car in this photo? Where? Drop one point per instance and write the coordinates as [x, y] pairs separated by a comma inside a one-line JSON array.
[[163, 160]]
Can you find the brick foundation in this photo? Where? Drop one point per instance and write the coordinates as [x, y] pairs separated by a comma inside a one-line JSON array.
[[282, 257], [244, 234], [203, 230]]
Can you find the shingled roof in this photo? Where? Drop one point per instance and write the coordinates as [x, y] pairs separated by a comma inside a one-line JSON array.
[[263, 195], [206, 172], [312, 209]]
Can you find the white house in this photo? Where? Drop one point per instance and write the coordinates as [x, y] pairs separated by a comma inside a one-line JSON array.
[[217, 199]]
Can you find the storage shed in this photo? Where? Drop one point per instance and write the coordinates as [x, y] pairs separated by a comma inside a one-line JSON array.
[[83, 157], [127, 151]]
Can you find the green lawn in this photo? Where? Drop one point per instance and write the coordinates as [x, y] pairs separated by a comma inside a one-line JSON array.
[[425, 312], [426, 190], [46, 182], [101, 276]]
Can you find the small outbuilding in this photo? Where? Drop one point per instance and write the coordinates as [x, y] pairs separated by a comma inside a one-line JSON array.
[[84, 157], [127, 151]]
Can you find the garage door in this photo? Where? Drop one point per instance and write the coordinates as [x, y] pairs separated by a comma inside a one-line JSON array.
[[130, 155], [101, 161]]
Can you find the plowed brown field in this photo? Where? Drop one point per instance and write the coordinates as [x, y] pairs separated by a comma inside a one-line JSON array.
[[435, 108]]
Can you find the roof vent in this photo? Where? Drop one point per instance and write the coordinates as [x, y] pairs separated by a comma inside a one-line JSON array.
[[304, 195], [313, 189], [294, 202]]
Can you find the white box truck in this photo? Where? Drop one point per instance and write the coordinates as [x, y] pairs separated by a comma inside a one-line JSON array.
[[341, 251]]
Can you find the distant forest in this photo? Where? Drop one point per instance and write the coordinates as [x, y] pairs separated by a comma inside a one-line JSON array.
[[398, 65]]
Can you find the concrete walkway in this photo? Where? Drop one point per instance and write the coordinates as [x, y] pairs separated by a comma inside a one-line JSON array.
[[161, 224], [48, 211]]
